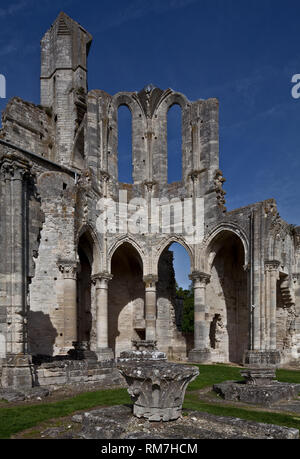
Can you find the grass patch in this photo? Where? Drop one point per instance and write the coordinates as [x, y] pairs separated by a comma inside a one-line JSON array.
[[290, 376], [192, 402], [18, 418], [213, 374]]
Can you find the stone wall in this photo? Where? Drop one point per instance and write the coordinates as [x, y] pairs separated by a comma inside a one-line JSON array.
[[228, 307], [59, 159], [76, 372]]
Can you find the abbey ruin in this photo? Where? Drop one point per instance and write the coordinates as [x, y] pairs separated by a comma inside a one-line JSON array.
[[68, 288]]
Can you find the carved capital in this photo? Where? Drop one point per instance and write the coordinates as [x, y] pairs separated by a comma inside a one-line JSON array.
[[104, 176], [13, 167], [150, 280], [195, 174], [296, 277], [272, 265], [100, 280], [68, 268], [198, 276], [150, 185]]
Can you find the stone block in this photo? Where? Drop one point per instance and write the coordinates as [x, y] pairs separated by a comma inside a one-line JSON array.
[[199, 355]]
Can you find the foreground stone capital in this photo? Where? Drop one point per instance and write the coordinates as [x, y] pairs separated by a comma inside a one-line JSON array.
[[157, 388]]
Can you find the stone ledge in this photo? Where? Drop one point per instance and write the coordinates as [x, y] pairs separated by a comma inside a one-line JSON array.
[[36, 393], [257, 395], [117, 422]]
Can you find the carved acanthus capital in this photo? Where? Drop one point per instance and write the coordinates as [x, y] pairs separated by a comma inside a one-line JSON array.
[[68, 268], [13, 167], [150, 280], [272, 265], [198, 276], [100, 280]]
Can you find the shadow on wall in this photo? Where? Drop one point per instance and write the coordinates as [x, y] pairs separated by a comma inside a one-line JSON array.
[[230, 324], [126, 296], [41, 334]]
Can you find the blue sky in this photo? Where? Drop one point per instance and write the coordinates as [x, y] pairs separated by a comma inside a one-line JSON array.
[[242, 52]]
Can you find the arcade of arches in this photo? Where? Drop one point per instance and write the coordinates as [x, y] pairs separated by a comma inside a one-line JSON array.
[[145, 307]]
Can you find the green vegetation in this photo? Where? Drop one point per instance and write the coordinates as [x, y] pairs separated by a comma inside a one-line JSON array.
[[18, 418], [290, 376], [188, 308], [213, 374], [192, 402]]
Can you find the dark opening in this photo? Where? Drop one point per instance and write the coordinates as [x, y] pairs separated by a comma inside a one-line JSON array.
[[84, 317], [227, 292], [126, 297]]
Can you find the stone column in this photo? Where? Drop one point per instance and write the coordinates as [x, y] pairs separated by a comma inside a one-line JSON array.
[[100, 281], [69, 270], [267, 354], [201, 352], [16, 370], [150, 306], [272, 275]]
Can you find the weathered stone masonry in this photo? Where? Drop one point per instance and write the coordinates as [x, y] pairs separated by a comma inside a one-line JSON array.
[[63, 281]]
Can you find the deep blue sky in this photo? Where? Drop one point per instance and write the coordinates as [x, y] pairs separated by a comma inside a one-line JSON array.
[[242, 52]]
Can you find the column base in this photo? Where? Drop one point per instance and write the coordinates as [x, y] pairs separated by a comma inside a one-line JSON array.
[[17, 372], [262, 358], [82, 351], [104, 354], [200, 355]]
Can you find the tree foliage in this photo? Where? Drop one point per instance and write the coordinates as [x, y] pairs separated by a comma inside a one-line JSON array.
[[188, 308]]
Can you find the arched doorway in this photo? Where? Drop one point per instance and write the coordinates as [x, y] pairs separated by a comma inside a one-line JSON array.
[[84, 316], [227, 298], [174, 267], [126, 299]]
